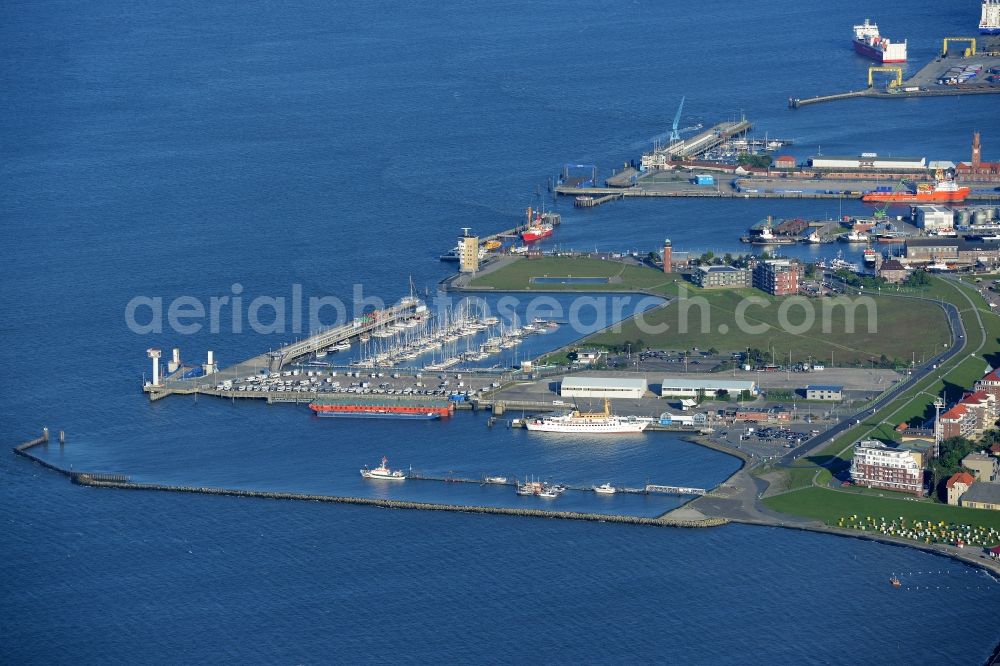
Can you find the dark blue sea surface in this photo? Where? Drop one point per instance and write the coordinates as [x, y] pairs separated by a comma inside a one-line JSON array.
[[240, 149]]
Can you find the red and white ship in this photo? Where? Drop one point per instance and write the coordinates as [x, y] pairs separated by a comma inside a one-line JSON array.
[[537, 227], [943, 191], [869, 43]]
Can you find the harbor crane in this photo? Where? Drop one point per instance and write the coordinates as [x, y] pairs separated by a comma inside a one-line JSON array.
[[675, 134], [969, 52], [898, 71]]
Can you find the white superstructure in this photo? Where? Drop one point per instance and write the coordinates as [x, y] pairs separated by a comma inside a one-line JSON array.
[[989, 23], [582, 422]]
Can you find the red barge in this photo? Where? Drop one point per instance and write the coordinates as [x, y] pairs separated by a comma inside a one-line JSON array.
[[378, 406]]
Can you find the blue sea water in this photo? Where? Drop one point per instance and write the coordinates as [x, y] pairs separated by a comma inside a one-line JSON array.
[[179, 149]]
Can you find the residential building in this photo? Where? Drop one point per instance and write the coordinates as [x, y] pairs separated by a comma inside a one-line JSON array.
[[824, 392], [721, 277], [983, 408], [603, 387], [877, 465], [934, 218], [990, 383], [956, 485], [678, 387], [982, 496], [984, 467], [892, 271], [957, 422], [971, 417], [778, 277]]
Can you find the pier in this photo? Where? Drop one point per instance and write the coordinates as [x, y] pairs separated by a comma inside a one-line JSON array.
[[924, 83], [649, 489], [275, 360]]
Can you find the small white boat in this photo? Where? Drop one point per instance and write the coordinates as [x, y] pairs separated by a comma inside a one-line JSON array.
[[383, 472], [605, 489], [341, 346], [496, 479]]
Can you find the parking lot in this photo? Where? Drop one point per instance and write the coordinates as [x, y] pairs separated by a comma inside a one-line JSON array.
[[304, 380]]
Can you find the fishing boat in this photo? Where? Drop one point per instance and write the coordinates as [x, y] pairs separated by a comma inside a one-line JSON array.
[[383, 472], [895, 582], [605, 489], [853, 236]]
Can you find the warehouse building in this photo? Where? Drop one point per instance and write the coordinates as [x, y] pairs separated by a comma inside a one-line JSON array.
[[869, 162], [603, 387], [677, 387], [934, 218]]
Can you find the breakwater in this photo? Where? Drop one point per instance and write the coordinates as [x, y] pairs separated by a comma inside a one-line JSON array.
[[122, 482], [89, 480]]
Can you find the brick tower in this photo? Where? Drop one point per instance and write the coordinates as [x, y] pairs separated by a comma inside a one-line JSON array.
[[667, 257], [976, 151]]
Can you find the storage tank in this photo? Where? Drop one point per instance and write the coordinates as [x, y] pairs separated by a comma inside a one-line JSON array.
[[979, 217], [962, 217]]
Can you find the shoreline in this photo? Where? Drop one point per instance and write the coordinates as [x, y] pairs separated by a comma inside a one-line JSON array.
[[120, 482]]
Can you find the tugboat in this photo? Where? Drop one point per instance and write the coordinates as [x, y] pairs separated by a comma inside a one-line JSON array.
[[383, 472]]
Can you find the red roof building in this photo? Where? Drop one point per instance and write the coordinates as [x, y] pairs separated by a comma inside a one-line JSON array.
[[956, 485], [956, 422], [784, 162], [977, 169]]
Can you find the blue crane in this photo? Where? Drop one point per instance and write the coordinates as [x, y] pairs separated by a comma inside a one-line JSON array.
[[675, 134]]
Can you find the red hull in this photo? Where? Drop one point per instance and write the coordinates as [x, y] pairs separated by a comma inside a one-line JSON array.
[[908, 197], [349, 409], [874, 54], [532, 236]]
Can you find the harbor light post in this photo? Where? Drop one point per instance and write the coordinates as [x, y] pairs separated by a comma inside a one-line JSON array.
[[154, 355]]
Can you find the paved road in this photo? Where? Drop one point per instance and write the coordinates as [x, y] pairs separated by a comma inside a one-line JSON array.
[[959, 340]]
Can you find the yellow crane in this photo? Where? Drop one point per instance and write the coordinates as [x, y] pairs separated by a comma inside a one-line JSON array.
[[897, 70], [971, 51]]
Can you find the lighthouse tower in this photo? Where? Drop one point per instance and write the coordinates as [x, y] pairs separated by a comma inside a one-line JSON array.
[[667, 257], [154, 354]]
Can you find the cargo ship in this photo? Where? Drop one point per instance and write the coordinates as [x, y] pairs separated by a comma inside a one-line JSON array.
[[943, 191], [385, 407], [869, 43], [989, 24]]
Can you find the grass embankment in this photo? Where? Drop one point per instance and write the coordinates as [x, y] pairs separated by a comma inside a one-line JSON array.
[[517, 275], [727, 320], [706, 318], [808, 477]]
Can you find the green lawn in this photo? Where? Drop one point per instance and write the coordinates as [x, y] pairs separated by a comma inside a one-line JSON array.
[[904, 328], [829, 506], [517, 275]]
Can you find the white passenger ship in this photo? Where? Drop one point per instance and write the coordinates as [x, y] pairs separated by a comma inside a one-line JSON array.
[[583, 422]]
